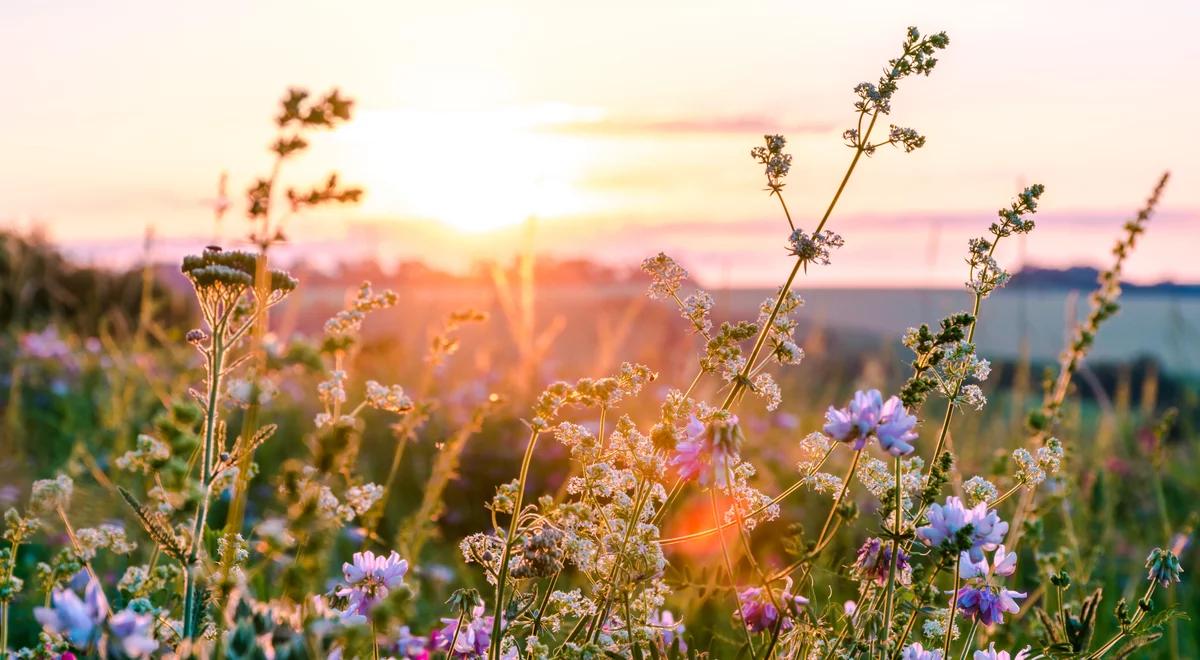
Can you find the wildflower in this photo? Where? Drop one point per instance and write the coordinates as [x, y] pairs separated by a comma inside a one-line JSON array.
[[758, 610], [50, 495], [915, 651], [369, 579], [668, 629], [768, 389], [1163, 566], [387, 399], [471, 641], [814, 249], [992, 654], [666, 276], [869, 416], [133, 633], [107, 536], [874, 563], [935, 626], [696, 309], [149, 455], [946, 521], [771, 157], [709, 452], [408, 645], [978, 489], [77, 620], [984, 600]]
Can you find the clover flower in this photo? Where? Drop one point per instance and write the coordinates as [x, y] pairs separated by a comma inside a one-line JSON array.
[[473, 639], [369, 579], [869, 416], [709, 452], [992, 654], [77, 619], [758, 610], [874, 563], [915, 651], [133, 633], [947, 521], [1163, 567]]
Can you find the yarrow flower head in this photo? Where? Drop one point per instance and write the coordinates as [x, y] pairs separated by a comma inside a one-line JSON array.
[[980, 528], [814, 249], [758, 610], [710, 451], [1163, 567], [776, 163], [874, 563], [992, 654], [867, 416], [369, 579]]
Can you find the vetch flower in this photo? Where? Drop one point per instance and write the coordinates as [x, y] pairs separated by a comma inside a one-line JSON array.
[[915, 651], [709, 452], [669, 629], [1163, 566], [947, 520], [992, 654], [369, 579], [867, 416], [758, 610], [77, 620], [874, 563], [988, 604], [473, 639], [133, 633]]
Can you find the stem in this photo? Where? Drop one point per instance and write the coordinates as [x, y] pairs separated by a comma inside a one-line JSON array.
[[8, 573], [969, 642], [497, 626], [1137, 618], [889, 607], [216, 366], [826, 532], [462, 617], [712, 494], [913, 619], [950, 615]]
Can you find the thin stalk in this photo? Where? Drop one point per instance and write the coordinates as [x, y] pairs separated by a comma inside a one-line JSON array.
[[502, 578], [890, 603], [729, 568], [462, 617], [826, 530], [216, 367], [950, 615], [1137, 618], [970, 640]]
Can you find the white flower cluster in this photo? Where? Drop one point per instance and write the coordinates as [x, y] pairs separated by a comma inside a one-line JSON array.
[[879, 478], [696, 309], [106, 536], [666, 276], [348, 322], [1031, 470], [388, 399], [959, 363], [935, 626], [782, 331], [358, 500], [50, 495], [148, 455], [747, 500], [977, 489]]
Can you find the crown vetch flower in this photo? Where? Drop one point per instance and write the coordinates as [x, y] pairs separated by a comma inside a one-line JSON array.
[[947, 520], [987, 604], [369, 579]]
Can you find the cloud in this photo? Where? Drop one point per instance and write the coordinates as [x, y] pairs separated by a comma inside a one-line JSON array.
[[729, 125]]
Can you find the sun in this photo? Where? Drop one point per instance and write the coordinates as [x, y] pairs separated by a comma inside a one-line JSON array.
[[474, 171]]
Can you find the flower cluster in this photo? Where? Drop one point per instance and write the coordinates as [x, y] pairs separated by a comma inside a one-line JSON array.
[[761, 609], [775, 162], [981, 598], [869, 416], [813, 248], [953, 525], [368, 580]]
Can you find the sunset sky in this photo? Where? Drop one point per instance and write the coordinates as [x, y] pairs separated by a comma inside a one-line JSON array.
[[623, 127]]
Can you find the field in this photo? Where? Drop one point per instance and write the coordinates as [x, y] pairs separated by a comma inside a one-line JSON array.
[[236, 457]]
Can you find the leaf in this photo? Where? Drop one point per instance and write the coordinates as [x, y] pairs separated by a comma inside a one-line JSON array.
[[1135, 643]]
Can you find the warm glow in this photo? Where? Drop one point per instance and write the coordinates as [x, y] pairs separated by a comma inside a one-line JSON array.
[[471, 170]]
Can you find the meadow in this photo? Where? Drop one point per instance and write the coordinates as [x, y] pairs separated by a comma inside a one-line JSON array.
[[231, 460]]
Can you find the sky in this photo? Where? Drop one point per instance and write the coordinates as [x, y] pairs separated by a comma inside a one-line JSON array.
[[622, 128]]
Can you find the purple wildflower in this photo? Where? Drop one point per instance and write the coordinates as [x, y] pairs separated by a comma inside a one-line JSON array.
[[875, 563], [915, 651], [1163, 567], [987, 604], [669, 629], [77, 620], [946, 520], [867, 416], [473, 640], [133, 633], [708, 453], [368, 580], [759, 612], [992, 654], [408, 645]]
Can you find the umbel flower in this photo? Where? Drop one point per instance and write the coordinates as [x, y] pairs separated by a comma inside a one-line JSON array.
[[1163, 567], [77, 619], [874, 563], [369, 579], [758, 610], [867, 416], [982, 599], [709, 452], [947, 521]]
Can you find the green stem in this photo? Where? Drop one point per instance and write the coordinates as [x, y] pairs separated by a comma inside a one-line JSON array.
[[1137, 618], [502, 577], [216, 366], [950, 615], [890, 603]]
